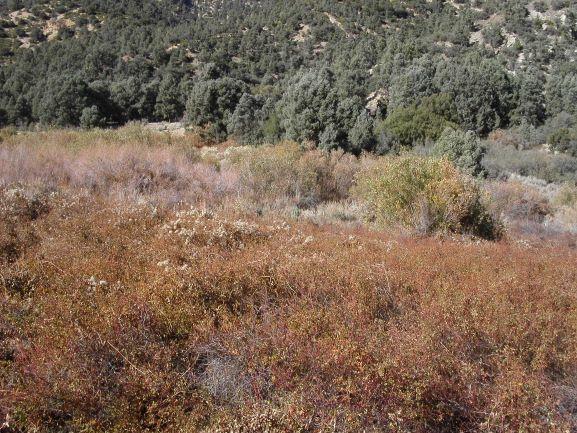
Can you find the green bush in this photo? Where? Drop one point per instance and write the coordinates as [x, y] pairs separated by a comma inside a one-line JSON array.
[[564, 140], [425, 195], [92, 118], [419, 123], [37, 35], [463, 149]]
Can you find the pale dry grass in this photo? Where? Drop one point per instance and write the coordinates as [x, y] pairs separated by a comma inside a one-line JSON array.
[[138, 165], [131, 134]]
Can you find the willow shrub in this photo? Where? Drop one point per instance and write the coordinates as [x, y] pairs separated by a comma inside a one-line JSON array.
[[426, 195]]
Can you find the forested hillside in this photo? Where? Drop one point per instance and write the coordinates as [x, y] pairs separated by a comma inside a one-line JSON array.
[[360, 75]]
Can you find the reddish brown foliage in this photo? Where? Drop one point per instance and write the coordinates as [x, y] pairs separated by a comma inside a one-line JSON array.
[[129, 318], [123, 309]]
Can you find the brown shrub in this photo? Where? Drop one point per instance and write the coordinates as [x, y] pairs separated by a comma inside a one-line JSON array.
[[158, 175], [287, 173], [142, 166], [515, 201], [119, 315], [187, 320]]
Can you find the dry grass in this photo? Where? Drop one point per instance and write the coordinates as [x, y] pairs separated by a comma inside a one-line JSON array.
[[121, 311], [131, 134], [121, 318], [136, 164]]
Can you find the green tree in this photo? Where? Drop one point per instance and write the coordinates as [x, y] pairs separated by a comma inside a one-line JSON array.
[[312, 109], [92, 118], [213, 102], [308, 106], [135, 97], [413, 83], [37, 35], [464, 149], [20, 112], [493, 35], [561, 90], [168, 105], [530, 98], [63, 101], [329, 138], [245, 124], [361, 136], [482, 91], [3, 117], [419, 123]]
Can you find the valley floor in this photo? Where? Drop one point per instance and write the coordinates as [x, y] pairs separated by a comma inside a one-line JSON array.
[[129, 304]]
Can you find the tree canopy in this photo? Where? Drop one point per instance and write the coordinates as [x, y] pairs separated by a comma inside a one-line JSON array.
[[358, 75]]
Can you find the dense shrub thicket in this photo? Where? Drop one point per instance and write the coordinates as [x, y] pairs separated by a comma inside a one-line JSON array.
[[137, 163]]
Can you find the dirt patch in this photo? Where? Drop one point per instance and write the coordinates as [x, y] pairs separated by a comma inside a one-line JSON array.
[[173, 128]]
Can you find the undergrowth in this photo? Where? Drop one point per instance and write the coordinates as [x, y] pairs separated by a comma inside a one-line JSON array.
[[169, 289], [126, 317]]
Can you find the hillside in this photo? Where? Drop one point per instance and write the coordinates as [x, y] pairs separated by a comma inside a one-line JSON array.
[[249, 69], [265, 216]]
